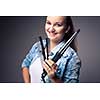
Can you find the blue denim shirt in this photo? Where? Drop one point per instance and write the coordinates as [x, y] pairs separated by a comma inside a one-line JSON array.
[[68, 65]]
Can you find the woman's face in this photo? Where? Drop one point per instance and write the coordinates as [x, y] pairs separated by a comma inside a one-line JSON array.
[[55, 27]]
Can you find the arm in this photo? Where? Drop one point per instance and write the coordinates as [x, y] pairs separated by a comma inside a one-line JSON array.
[[26, 64], [26, 76]]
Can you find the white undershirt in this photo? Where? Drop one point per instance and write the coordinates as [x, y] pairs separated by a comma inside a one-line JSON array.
[[36, 70]]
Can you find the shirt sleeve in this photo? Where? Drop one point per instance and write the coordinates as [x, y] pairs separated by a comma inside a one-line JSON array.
[[72, 69], [28, 59]]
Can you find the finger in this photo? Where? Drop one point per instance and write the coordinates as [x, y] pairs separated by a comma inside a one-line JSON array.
[[46, 67], [53, 64], [49, 62]]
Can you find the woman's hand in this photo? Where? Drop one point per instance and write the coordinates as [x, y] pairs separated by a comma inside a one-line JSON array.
[[51, 68]]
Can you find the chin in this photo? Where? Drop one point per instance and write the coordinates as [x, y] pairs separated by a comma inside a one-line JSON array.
[[56, 40], [52, 37]]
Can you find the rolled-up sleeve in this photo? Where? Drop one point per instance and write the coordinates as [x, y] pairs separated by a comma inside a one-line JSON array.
[[28, 59]]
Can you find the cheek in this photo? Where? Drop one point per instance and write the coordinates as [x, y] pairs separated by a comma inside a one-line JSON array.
[[61, 35], [61, 30]]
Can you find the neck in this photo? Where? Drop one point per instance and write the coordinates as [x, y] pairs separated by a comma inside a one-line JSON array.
[[53, 44]]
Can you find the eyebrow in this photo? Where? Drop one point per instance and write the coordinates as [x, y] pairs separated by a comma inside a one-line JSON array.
[[58, 22]]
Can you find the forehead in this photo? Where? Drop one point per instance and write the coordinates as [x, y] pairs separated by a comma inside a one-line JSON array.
[[56, 18]]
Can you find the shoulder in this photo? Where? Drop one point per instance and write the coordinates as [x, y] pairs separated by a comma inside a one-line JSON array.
[[37, 46], [71, 53]]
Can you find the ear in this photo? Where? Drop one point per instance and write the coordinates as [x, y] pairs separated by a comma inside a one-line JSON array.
[[68, 28]]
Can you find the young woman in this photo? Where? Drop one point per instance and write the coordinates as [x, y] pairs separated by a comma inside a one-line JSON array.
[[66, 70]]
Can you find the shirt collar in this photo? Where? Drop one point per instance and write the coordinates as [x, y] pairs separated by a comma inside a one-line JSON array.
[[55, 49]]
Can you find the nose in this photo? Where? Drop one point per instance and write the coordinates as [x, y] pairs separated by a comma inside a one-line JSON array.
[[51, 29]]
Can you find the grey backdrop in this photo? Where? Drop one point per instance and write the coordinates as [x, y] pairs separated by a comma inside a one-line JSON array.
[[17, 34]]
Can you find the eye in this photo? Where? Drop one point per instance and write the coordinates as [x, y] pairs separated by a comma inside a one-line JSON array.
[[47, 22], [59, 24]]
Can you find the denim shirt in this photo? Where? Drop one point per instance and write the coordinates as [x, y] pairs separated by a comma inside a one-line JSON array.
[[68, 65]]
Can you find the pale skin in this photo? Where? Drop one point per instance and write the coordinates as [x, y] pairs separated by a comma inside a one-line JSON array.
[[55, 28]]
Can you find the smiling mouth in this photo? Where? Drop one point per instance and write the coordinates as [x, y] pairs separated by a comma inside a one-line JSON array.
[[52, 34]]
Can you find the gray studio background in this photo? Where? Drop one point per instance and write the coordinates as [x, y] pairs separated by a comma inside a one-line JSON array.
[[17, 34]]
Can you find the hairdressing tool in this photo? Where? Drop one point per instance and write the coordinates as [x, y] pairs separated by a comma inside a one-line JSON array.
[[43, 49], [45, 55], [47, 49], [64, 47]]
